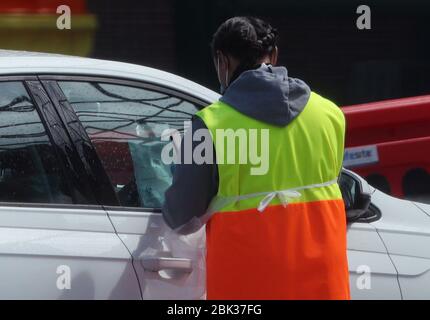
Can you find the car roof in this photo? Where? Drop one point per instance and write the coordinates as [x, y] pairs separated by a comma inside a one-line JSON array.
[[37, 63]]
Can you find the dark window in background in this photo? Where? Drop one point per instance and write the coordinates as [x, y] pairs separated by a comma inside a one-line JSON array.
[[136, 31], [319, 41], [416, 184]]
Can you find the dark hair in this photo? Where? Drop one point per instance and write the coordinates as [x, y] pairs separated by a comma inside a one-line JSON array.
[[247, 39]]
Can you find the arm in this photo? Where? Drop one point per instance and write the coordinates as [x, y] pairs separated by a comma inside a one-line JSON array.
[[193, 187]]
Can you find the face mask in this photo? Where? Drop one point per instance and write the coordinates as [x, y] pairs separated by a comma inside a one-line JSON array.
[[223, 87]]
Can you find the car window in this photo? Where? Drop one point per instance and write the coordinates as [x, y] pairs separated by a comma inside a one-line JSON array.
[[348, 187], [125, 124], [29, 170]]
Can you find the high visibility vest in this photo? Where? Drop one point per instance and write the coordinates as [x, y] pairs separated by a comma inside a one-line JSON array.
[[279, 235]]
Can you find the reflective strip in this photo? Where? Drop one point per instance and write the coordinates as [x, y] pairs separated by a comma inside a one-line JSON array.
[[283, 195]]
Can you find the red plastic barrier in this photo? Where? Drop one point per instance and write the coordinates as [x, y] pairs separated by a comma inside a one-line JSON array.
[[41, 6], [399, 133], [390, 120]]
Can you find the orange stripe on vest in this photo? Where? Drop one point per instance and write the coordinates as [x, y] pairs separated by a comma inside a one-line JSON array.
[[296, 252]]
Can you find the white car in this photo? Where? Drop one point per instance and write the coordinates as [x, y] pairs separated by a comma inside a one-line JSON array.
[[81, 183]]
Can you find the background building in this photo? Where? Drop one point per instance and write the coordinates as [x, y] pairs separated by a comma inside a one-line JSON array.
[[320, 42]]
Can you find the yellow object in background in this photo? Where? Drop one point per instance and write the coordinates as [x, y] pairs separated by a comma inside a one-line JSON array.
[[39, 32]]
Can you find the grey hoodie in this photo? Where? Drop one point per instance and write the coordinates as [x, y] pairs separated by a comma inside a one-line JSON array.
[[266, 94]]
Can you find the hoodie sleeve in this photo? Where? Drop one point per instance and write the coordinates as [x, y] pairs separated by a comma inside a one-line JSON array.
[[193, 187]]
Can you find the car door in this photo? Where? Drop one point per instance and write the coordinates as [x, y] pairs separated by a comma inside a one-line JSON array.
[[124, 122], [372, 272], [56, 241]]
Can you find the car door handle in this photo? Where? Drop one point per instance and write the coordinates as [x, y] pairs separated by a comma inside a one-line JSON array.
[[156, 264]]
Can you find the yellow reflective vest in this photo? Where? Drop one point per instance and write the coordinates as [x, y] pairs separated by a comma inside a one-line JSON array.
[[278, 229]]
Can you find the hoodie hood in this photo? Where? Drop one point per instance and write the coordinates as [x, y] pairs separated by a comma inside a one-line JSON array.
[[268, 95]]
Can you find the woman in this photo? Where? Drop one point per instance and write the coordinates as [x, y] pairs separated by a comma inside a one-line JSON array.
[[281, 233]]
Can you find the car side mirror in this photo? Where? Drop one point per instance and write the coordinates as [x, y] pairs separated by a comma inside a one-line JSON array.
[[356, 194], [360, 208]]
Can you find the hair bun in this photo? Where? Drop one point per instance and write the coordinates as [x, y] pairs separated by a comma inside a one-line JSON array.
[[248, 39], [268, 42]]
